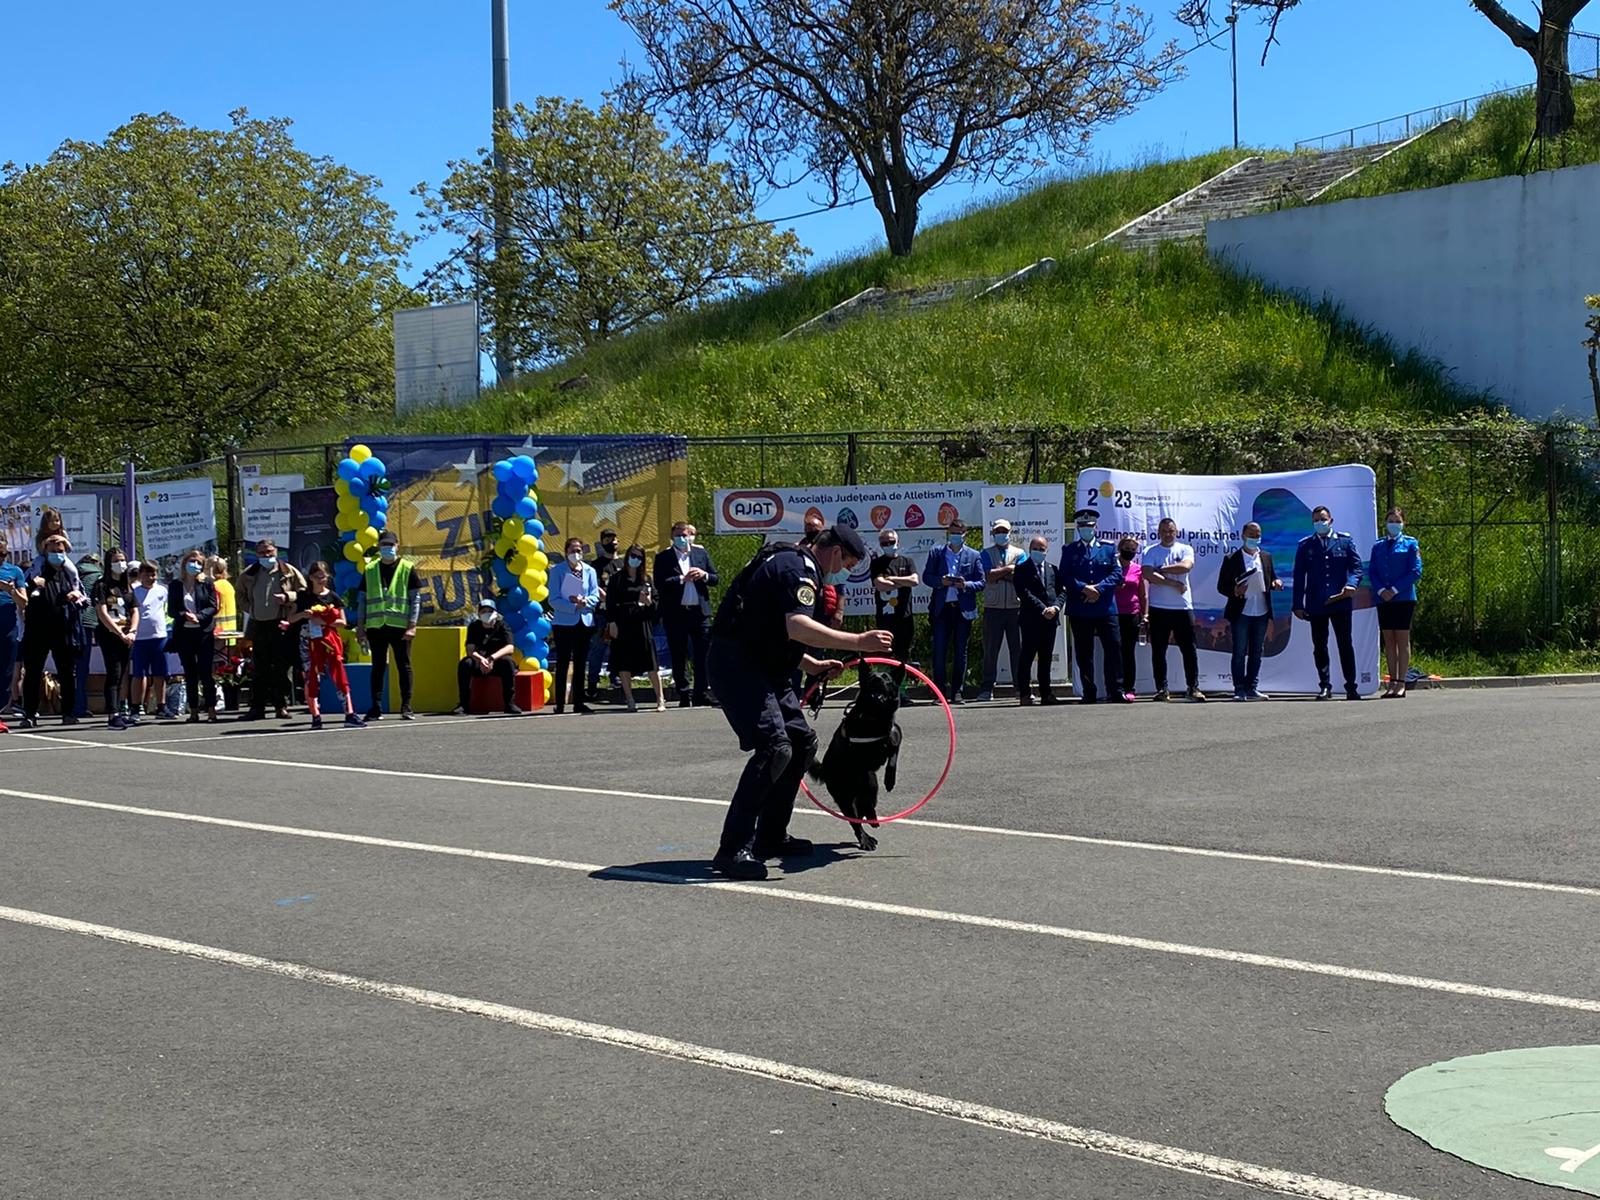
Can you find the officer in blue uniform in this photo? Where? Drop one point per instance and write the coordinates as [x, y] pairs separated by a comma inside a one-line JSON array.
[[763, 626], [1090, 576], [1327, 568]]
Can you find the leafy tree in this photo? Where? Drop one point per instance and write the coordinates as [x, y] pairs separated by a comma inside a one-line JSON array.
[[1545, 41], [611, 227], [172, 290], [899, 95]]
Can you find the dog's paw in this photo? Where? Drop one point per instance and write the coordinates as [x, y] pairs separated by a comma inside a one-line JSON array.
[[865, 839]]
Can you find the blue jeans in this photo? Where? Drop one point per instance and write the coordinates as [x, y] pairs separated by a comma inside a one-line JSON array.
[[10, 634], [950, 628], [82, 676], [1249, 636]]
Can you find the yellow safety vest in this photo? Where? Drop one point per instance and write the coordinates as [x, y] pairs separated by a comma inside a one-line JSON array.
[[388, 607]]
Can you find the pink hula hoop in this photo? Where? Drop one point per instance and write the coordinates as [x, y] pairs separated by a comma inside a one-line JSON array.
[[950, 756]]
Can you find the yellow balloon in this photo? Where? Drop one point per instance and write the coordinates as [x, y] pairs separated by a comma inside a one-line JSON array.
[[511, 528], [528, 545], [367, 538], [529, 582], [540, 593], [346, 523], [539, 560], [352, 551], [549, 683], [343, 489], [518, 565], [360, 453], [533, 495], [540, 578], [349, 506]]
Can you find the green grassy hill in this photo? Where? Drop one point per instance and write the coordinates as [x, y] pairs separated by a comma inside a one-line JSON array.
[[1112, 338]]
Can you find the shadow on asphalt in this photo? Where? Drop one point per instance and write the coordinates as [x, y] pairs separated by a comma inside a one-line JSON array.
[[698, 870]]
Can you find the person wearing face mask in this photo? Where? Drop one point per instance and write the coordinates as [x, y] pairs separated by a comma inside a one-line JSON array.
[[118, 618], [1041, 592], [1133, 609], [1393, 571], [267, 592], [1327, 572], [574, 595], [13, 583], [1166, 566], [1247, 578], [389, 604], [192, 609], [605, 563], [1091, 574], [489, 651], [684, 578], [51, 629], [954, 572], [1002, 614], [89, 576], [763, 627], [893, 577], [631, 604]]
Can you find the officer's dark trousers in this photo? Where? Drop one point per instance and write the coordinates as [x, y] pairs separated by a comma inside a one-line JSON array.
[[687, 637], [1340, 620], [1038, 645], [765, 713], [951, 631], [385, 639], [1085, 630], [1173, 624]]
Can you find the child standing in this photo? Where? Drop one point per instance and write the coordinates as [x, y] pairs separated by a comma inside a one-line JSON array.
[[149, 642], [119, 623], [323, 615]]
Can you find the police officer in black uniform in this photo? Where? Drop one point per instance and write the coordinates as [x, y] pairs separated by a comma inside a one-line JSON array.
[[765, 622]]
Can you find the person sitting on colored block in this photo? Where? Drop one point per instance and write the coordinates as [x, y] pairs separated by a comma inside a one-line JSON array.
[[489, 652]]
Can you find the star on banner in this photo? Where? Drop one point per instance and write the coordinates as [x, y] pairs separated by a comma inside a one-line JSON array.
[[468, 471], [428, 510], [605, 511], [574, 470], [527, 448]]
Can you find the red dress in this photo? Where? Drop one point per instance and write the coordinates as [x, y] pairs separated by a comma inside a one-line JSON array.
[[325, 650]]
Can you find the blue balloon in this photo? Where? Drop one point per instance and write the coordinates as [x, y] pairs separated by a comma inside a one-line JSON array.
[[534, 608], [536, 528], [525, 468], [544, 663], [527, 643], [502, 575], [371, 469], [348, 469], [358, 486], [501, 471], [379, 470], [512, 489], [542, 627], [517, 597], [380, 503], [526, 508], [516, 621], [502, 507], [347, 536]]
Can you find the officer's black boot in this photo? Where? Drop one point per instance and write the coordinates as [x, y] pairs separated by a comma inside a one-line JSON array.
[[739, 865]]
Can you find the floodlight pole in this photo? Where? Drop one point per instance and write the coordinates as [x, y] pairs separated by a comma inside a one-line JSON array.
[[1233, 37], [502, 202]]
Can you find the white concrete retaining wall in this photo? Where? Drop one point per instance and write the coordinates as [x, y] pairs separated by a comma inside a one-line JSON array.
[[1488, 278]]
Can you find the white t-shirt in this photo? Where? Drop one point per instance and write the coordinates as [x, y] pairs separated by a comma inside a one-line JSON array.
[[1159, 556], [1255, 587], [691, 594], [152, 602]]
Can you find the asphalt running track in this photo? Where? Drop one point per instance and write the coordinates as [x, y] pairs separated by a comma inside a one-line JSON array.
[[1172, 951]]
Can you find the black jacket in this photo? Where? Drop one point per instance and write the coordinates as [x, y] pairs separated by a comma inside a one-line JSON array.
[[1228, 579], [669, 580], [1039, 588], [205, 606]]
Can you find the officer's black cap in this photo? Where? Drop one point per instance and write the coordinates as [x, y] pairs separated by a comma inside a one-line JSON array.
[[854, 547], [1086, 514]]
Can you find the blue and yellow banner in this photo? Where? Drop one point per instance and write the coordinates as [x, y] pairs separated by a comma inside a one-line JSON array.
[[441, 489]]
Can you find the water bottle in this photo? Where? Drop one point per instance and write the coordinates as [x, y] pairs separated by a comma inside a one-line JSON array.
[[1144, 635]]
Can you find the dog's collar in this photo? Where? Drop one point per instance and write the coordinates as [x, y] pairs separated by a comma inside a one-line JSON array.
[[882, 737]]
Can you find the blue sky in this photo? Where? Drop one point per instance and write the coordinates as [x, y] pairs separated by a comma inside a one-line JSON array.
[[396, 88]]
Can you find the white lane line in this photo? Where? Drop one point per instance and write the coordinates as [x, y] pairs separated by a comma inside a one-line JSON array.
[[772, 892], [1287, 1183], [123, 742], [1274, 860]]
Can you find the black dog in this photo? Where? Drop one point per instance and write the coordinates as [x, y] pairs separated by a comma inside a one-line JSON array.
[[867, 740]]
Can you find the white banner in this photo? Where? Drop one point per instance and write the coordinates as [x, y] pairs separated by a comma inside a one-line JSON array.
[[80, 518], [918, 511], [177, 516], [1033, 508], [266, 507], [17, 506], [1210, 510]]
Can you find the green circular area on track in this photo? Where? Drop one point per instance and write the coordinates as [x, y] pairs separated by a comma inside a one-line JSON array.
[[1534, 1114]]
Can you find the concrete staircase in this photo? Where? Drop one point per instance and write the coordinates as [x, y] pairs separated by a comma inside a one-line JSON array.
[[1250, 186]]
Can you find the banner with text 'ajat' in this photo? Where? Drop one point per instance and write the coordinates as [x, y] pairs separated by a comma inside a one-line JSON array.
[[1210, 511], [918, 511]]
